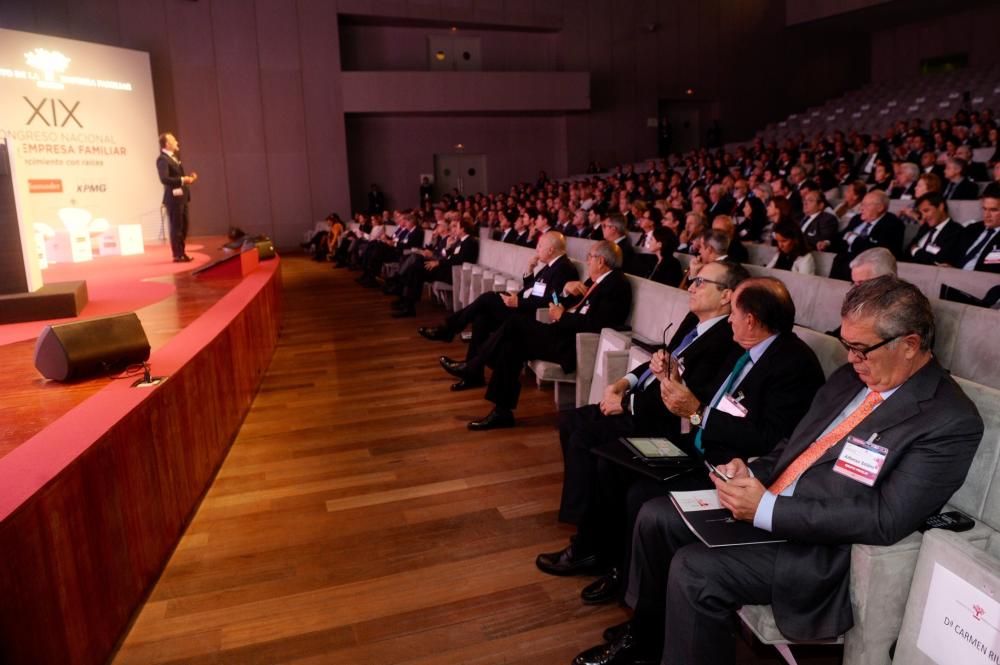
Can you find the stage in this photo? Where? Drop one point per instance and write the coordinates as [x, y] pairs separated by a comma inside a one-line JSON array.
[[97, 478]]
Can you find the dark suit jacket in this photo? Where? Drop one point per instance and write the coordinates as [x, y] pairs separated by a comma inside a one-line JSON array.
[[737, 252], [965, 190], [969, 236], [701, 375], [668, 271], [947, 240], [777, 392], [931, 430], [510, 235], [171, 171], [887, 232], [554, 277], [413, 239], [629, 262], [607, 306], [824, 227], [898, 192]]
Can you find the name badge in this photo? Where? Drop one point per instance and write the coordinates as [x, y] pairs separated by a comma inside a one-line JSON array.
[[906, 197], [932, 249], [538, 289], [585, 308], [993, 257], [861, 460], [177, 191], [732, 406]]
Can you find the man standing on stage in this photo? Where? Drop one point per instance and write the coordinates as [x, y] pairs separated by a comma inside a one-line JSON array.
[[176, 193]]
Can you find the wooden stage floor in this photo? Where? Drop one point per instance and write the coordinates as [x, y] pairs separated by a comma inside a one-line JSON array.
[[356, 520]]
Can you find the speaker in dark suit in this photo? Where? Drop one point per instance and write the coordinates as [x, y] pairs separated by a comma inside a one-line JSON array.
[[176, 193], [109, 344]]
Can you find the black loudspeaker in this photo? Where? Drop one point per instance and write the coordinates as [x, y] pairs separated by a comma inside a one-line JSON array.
[[97, 346], [266, 249]]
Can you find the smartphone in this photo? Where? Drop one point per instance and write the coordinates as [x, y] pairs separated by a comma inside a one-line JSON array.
[[714, 470], [555, 298]]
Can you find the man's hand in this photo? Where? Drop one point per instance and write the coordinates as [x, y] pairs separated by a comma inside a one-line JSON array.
[[532, 263], [611, 404], [555, 312], [431, 265], [694, 267], [822, 245], [426, 253], [658, 365], [575, 289], [676, 397], [509, 299], [740, 495], [735, 468]]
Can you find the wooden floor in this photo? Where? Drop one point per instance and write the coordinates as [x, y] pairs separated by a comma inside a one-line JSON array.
[[357, 521]]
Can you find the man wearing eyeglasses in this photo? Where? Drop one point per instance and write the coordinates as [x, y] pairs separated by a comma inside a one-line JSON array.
[[603, 301], [632, 406], [885, 444]]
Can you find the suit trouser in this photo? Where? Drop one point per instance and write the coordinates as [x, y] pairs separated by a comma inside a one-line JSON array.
[[177, 217], [519, 339], [486, 314], [580, 431], [689, 591]]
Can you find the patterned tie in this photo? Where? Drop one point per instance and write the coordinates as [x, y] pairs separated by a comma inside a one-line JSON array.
[[737, 368], [816, 449]]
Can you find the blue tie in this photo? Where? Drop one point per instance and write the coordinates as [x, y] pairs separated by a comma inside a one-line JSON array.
[[686, 342], [737, 368]]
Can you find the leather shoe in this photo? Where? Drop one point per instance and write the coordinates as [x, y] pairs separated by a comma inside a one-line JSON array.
[[603, 590], [626, 650], [182, 259], [567, 561], [453, 367], [495, 420], [404, 312], [436, 334], [468, 384], [615, 632]]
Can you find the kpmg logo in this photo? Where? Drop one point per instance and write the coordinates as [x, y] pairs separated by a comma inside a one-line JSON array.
[[49, 63], [91, 188]]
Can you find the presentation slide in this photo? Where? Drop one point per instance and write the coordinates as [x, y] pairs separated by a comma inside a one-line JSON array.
[[83, 125]]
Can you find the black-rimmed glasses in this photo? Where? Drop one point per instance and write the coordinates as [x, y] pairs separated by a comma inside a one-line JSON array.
[[698, 281], [863, 351]]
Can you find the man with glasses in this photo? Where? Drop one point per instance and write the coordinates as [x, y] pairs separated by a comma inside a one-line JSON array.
[[910, 433], [603, 301], [632, 407], [615, 230]]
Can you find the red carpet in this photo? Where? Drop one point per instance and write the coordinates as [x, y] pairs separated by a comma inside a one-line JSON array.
[[115, 284]]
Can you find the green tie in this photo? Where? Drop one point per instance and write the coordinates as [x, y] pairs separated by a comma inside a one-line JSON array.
[[737, 368]]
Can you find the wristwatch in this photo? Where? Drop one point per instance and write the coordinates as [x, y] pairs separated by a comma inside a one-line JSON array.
[[695, 417]]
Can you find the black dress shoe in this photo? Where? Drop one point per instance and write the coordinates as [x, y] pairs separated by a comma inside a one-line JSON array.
[[468, 384], [567, 561], [404, 313], [456, 369], [626, 650], [436, 334], [615, 632], [603, 590], [495, 420]]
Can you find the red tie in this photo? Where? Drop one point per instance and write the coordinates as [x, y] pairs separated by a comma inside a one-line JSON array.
[[816, 449], [586, 295]]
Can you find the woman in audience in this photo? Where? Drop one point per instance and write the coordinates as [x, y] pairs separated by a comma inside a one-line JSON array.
[[754, 219], [667, 269], [792, 252]]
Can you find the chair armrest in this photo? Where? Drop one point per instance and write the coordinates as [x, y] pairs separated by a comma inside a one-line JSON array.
[[586, 357], [615, 365]]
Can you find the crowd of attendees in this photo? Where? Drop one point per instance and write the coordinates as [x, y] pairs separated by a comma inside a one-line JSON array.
[[734, 385]]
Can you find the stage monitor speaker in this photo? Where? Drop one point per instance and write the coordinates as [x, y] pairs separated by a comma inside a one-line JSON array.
[[266, 249], [104, 345]]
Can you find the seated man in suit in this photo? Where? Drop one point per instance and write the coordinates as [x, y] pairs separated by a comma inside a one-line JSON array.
[[874, 227], [904, 183], [712, 246], [632, 405], [615, 229], [735, 251], [819, 227], [603, 301], [505, 231], [893, 407], [465, 249], [761, 391], [958, 187], [938, 236], [407, 238], [979, 246], [548, 273]]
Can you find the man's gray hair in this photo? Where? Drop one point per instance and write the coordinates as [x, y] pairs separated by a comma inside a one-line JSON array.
[[618, 222], [717, 240], [610, 252], [911, 170], [880, 259], [898, 307], [881, 196]]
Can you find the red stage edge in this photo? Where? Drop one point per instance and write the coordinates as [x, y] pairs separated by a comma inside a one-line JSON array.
[[93, 506]]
